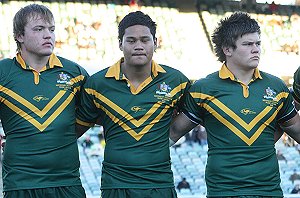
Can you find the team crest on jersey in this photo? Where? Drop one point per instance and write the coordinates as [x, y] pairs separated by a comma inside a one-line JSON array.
[[64, 81], [163, 92], [270, 97]]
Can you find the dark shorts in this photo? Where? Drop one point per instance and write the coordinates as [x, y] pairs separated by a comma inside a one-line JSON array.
[[55, 192], [139, 193]]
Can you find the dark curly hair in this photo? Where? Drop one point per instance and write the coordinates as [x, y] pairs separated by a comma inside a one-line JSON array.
[[136, 18], [230, 29]]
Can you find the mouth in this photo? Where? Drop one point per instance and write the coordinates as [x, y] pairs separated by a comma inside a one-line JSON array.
[[255, 58], [47, 44], [138, 54]]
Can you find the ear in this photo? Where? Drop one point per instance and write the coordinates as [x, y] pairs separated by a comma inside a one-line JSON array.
[[20, 38], [155, 44], [120, 45], [227, 51]]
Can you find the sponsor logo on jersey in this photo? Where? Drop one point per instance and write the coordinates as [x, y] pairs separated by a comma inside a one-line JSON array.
[[270, 97], [137, 108], [247, 111], [39, 98]]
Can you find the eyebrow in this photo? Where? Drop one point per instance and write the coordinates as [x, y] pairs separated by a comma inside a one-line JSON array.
[[259, 41]]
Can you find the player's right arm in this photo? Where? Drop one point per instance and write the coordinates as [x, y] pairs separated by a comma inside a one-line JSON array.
[[80, 129], [180, 126]]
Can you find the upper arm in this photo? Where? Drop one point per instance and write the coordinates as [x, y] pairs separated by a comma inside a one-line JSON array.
[[180, 126], [278, 133], [292, 127], [80, 130]]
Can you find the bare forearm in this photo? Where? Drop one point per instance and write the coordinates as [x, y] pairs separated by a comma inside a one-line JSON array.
[[180, 126], [80, 130], [278, 133], [292, 128]]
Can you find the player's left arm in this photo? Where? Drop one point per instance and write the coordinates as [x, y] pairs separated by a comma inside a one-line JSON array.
[[292, 127], [278, 133], [80, 129]]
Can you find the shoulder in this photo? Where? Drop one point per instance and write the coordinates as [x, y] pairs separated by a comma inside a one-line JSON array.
[[269, 78], [98, 78], [170, 71], [6, 65], [210, 78], [100, 74], [6, 60], [71, 65], [297, 71]]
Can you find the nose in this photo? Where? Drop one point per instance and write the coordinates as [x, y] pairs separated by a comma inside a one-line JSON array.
[[47, 33], [138, 45], [256, 48]]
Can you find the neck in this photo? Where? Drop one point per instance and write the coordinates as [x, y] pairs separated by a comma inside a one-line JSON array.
[[34, 61], [136, 74], [245, 76]]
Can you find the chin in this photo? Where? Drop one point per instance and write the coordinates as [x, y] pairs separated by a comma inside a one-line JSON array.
[[46, 53], [141, 63]]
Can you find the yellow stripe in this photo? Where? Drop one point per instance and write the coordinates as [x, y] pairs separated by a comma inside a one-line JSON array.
[[84, 123], [230, 113], [234, 116], [77, 79], [33, 121], [136, 136], [40, 113], [122, 112], [263, 126], [226, 123], [178, 88]]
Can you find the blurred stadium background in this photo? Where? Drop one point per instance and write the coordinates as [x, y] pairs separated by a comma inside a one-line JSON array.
[[86, 32]]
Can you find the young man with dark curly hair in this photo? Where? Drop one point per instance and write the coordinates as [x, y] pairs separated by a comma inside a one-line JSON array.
[[240, 108]]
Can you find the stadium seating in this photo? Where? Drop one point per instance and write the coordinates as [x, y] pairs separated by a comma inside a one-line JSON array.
[[87, 33], [188, 160]]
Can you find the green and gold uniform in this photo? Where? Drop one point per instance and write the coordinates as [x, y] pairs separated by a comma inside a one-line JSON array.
[[38, 117], [296, 85], [136, 124], [240, 121]]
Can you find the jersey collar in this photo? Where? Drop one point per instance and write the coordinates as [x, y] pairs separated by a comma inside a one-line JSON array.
[[115, 70], [226, 73], [53, 61]]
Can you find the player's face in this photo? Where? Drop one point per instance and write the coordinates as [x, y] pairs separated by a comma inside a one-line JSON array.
[[38, 38], [138, 46], [247, 52]]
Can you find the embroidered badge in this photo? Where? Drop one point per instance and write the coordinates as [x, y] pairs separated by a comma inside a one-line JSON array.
[[163, 92]]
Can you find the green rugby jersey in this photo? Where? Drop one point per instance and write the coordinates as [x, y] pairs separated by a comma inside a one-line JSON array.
[[296, 85], [136, 124], [240, 122], [38, 117]]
